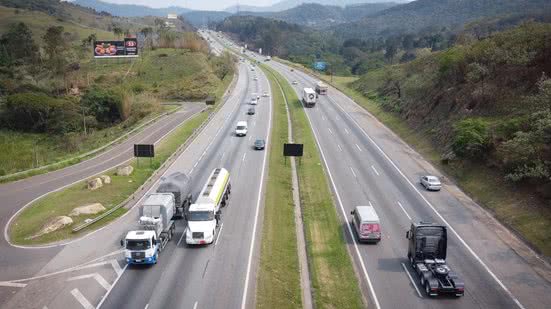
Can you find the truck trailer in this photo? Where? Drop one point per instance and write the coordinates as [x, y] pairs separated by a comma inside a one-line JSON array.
[[157, 227], [309, 97], [321, 88], [427, 256], [203, 217], [179, 184]]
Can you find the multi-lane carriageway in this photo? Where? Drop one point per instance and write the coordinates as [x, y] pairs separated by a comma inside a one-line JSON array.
[[216, 276], [367, 164]]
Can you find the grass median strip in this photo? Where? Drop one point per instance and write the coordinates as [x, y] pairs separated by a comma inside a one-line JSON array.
[[278, 277], [334, 282], [60, 203]]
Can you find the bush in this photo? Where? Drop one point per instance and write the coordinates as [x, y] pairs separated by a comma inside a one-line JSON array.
[[103, 104], [471, 139], [37, 112]]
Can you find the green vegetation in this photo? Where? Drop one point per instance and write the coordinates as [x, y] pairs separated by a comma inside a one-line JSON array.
[[279, 274], [335, 285]]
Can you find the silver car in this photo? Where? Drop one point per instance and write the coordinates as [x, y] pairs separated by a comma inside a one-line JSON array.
[[431, 183]]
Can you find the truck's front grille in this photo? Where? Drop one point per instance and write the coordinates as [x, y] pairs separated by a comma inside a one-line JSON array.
[[138, 255], [197, 234]]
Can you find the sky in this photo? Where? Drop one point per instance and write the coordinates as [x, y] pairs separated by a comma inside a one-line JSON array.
[[196, 4]]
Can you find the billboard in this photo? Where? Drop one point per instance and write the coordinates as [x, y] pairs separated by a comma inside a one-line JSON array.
[[293, 150], [320, 65], [144, 150], [116, 49]]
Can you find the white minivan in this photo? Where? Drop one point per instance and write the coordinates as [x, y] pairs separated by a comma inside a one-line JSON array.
[[241, 129], [366, 223]]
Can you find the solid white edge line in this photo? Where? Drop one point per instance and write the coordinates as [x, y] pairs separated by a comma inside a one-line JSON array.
[[251, 250], [195, 305], [411, 279], [111, 288], [12, 284], [362, 264], [146, 306], [471, 251]]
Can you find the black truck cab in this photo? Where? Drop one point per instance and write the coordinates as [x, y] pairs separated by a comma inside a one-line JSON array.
[[427, 245]]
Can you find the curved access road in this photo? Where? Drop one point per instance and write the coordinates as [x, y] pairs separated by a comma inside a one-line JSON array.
[[20, 262]]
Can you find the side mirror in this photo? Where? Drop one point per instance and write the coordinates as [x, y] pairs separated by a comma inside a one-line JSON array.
[[352, 212], [407, 234], [122, 242]]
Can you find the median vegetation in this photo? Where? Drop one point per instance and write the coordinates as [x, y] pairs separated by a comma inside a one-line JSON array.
[[334, 282], [279, 273]]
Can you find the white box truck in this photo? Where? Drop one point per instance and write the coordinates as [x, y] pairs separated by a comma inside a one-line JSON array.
[[321, 88], [156, 229], [203, 217], [309, 97]]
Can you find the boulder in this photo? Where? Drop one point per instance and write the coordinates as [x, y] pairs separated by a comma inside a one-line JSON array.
[[125, 170], [94, 184], [53, 225], [105, 179], [90, 209]]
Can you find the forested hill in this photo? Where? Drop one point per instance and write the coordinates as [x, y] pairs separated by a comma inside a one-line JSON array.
[[422, 14]]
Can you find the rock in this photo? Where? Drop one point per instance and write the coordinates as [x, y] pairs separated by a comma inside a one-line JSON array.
[[125, 170], [90, 209], [105, 179], [54, 225], [94, 184]]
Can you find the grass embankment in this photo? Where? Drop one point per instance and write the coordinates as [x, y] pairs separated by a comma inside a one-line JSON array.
[[334, 283], [516, 208], [60, 203], [279, 274]]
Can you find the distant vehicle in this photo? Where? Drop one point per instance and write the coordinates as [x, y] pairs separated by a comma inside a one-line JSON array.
[[252, 68], [255, 78], [204, 216], [268, 58], [157, 227], [294, 82], [366, 223], [292, 70], [431, 183], [265, 94], [427, 255], [241, 129], [321, 88], [259, 144], [309, 97], [254, 100], [251, 111]]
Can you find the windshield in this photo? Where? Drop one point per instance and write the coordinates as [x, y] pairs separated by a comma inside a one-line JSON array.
[[141, 244], [200, 216], [240, 128]]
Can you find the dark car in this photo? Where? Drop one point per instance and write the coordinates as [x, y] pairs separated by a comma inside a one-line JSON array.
[[259, 144], [251, 111]]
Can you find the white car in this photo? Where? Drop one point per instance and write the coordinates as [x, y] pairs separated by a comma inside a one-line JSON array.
[[254, 101], [241, 128], [265, 94], [431, 183], [255, 78], [295, 82]]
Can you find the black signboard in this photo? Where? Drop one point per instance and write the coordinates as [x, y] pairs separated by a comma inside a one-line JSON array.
[[210, 100], [112, 49], [292, 150], [144, 150]]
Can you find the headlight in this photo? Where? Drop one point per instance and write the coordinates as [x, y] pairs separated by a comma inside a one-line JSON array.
[[127, 253]]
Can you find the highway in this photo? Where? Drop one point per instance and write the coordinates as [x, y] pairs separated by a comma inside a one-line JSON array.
[[367, 164]]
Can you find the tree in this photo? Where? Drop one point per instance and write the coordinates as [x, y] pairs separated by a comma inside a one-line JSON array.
[[391, 49], [103, 104], [118, 31], [18, 43], [55, 47], [471, 139]]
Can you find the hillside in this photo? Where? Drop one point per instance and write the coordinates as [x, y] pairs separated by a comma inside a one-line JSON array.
[[423, 14], [322, 16], [129, 10], [204, 18], [486, 103], [289, 4]]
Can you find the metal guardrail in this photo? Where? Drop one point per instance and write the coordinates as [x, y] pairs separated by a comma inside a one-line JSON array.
[[164, 165]]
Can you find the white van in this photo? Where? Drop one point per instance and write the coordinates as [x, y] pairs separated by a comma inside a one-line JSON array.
[[241, 129], [366, 223]]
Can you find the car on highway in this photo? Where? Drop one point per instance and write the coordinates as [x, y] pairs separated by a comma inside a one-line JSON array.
[[292, 70], [241, 128], [431, 183], [295, 82], [265, 94], [255, 78], [366, 223], [251, 111], [259, 144], [254, 100]]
